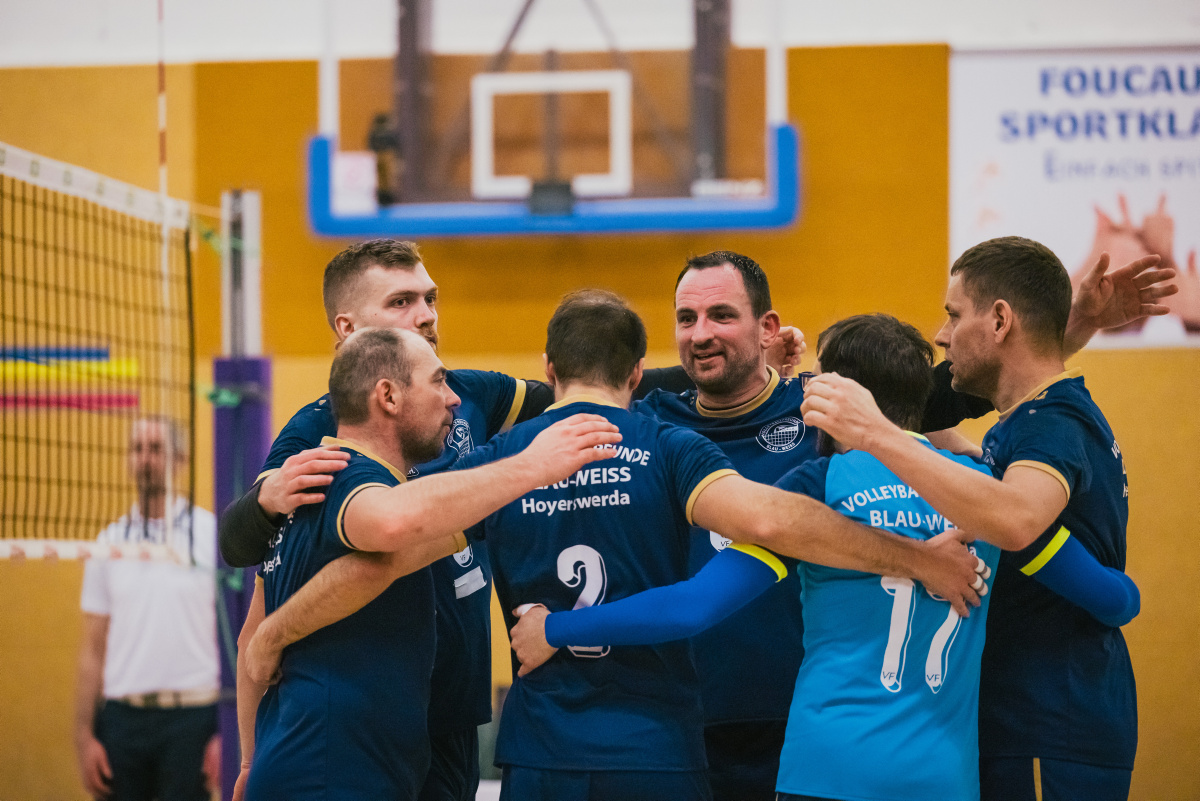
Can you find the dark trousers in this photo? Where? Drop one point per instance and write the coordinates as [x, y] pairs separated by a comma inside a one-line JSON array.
[[156, 753], [453, 766], [533, 784], [1025, 779], [743, 759]]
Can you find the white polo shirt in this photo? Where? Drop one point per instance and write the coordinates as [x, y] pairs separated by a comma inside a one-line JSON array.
[[162, 631]]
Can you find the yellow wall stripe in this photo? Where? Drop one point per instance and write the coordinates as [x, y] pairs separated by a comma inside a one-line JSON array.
[[763, 555], [1047, 553], [518, 402], [704, 482], [14, 370], [341, 532], [1045, 468]]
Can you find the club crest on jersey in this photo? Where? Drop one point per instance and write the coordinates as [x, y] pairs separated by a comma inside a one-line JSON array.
[[459, 437], [781, 435], [464, 556]]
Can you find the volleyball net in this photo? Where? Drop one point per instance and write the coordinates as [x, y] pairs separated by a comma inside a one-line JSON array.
[[96, 333]]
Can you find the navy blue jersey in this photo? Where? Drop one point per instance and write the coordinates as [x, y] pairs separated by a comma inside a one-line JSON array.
[[613, 529], [349, 718], [462, 682], [748, 662], [886, 701], [1056, 682]]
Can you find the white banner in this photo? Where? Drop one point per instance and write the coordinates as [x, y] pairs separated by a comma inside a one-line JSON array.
[[1084, 151]]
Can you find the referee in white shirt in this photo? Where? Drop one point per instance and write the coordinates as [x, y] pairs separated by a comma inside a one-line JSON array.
[[145, 714]]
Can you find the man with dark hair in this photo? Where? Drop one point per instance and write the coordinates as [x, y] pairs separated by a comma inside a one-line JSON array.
[[1058, 715], [888, 357], [348, 718], [626, 723], [594, 337], [862, 724]]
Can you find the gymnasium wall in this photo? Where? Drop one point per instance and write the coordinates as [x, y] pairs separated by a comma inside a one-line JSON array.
[[872, 236]]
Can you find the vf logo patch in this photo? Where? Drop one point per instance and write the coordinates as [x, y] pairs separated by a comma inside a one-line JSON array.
[[459, 437], [719, 543], [464, 556], [781, 435]]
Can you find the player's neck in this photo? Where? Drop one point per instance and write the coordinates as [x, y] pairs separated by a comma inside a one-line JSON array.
[[745, 392], [1021, 375], [601, 392], [380, 442]]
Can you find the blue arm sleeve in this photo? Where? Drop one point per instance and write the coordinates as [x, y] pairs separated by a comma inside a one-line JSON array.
[[729, 581], [1067, 568]]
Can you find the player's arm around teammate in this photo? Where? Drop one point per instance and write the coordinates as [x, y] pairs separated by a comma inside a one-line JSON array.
[[1011, 349], [410, 526]]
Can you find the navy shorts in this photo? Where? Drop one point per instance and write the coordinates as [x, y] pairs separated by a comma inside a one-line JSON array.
[[1026, 779], [453, 766], [743, 759], [534, 784]]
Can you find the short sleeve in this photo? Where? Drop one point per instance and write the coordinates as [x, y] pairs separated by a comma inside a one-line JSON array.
[[539, 396], [1050, 438], [94, 598], [692, 463], [500, 395], [807, 479], [352, 481], [305, 430]]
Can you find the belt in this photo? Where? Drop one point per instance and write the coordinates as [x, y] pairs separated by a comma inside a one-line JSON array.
[[170, 699]]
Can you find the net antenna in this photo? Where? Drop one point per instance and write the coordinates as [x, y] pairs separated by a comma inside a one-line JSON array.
[[414, 183]]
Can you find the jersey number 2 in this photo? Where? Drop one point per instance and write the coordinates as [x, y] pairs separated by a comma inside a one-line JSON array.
[[904, 604], [583, 566]]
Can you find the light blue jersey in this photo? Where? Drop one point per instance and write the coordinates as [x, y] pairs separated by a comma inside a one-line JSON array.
[[886, 701]]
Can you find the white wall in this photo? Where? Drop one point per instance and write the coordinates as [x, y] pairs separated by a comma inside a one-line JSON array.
[[68, 32]]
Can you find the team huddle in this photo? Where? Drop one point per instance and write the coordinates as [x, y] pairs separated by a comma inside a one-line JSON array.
[[720, 582]]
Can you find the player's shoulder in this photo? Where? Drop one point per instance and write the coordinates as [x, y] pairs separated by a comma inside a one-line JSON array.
[[808, 477], [472, 381], [364, 468], [664, 404], [320, 409], [311, 422], [1055, 410]]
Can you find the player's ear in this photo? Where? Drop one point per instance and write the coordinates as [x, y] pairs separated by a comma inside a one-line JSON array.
[[551, 379], [636, 377], [389, 396], [343, 327], [1002, 320], [769, 328]]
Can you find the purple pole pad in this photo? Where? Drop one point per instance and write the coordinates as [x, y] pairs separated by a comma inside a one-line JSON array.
[[241, 441]]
